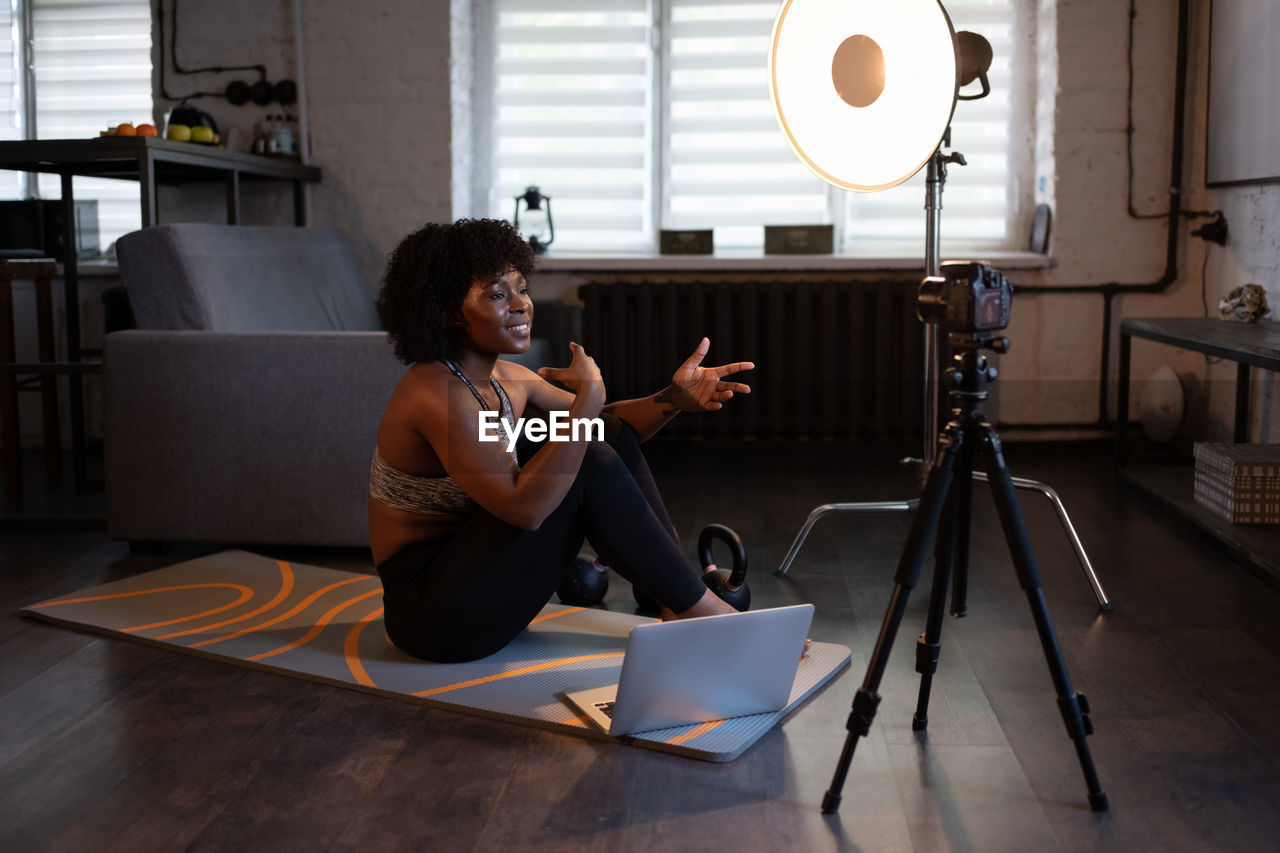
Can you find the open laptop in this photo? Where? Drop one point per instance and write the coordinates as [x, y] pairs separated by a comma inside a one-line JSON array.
[[697, 670]]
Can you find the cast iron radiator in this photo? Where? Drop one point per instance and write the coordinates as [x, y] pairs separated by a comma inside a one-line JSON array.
[[834, 359]]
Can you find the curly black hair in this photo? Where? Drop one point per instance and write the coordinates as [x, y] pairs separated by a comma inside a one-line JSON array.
[[428, 276]]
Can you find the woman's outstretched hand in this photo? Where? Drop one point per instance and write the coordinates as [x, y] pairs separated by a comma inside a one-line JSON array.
[[695, 388], [582, 377]]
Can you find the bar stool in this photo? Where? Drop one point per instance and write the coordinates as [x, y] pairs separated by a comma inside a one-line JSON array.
[[15, 377]]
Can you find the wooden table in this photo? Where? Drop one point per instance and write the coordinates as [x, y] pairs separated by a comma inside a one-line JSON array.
[[1247, 344], [150, 162]]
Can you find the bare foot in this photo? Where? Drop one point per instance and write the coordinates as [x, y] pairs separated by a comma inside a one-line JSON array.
[[709, 605], [669, 615]]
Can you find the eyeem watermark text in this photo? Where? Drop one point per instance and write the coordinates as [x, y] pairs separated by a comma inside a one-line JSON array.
[[558, 427]]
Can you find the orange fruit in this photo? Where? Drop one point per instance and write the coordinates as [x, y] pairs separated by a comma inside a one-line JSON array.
[[146, 130], [126, 129]]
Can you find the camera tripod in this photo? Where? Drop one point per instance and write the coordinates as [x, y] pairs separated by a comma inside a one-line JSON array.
[[936, 179], [945, 508]]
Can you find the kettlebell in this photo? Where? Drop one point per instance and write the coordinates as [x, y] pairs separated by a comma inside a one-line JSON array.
[[585, 584], [730, 585]]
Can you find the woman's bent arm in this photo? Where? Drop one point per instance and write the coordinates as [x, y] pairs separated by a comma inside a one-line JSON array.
[[523, 497], [693, 388]]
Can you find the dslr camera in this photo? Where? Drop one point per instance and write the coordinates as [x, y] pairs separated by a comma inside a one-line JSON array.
[[970, 301]]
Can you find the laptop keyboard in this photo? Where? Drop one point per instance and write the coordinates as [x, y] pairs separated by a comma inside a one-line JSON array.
[[606, 708]]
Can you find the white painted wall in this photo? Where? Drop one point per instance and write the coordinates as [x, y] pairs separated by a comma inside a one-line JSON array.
[[396, 151]]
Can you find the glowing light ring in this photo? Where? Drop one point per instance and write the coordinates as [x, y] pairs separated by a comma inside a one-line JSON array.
[[881, 145]]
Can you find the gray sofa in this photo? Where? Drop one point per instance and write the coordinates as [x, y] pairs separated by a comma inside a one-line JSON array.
[[245, 407]]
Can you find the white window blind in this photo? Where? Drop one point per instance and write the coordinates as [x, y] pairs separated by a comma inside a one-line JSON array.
[[977, 200], [10, 93], [573, 115], [727, 165], [92, 61], [636, 115]]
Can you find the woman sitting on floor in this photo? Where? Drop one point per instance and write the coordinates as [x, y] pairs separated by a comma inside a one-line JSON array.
[[470, 543]]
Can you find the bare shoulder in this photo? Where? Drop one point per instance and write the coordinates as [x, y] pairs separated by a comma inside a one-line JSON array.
[[422, 391], [402, 434], [420, 383], [520, 383], [509, 371]]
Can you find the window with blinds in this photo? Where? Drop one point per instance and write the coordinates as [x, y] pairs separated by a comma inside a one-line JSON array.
[[726, 165], [636, 115], [10, 93], [92, 62], [979, 200], [573, 114]]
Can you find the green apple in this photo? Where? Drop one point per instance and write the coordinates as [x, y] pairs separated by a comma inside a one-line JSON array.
[[202, 134], [178, 133]]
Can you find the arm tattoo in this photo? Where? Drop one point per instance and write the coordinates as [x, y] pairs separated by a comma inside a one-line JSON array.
[[664, 398]]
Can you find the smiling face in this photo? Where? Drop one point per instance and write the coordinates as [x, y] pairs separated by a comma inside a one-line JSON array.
[[497, 315]]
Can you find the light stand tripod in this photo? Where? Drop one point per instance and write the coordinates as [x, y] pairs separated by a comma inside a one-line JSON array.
[[945, 507], [935, 182]]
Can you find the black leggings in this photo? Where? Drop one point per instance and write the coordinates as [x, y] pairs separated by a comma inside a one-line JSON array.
[[467, 596]]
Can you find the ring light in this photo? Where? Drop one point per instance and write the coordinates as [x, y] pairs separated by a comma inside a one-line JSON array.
[[863, 89]]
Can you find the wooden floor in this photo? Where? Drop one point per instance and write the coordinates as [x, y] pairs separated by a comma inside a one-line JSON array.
[[111, 745]]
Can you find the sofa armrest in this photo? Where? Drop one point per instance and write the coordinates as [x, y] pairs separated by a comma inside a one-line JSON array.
[[243, 437]]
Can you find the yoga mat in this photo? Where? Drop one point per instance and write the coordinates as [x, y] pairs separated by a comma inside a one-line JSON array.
[[326, 625]]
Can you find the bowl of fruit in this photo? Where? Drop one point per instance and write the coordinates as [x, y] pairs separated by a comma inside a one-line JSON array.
[[125, 128], [188, 124]]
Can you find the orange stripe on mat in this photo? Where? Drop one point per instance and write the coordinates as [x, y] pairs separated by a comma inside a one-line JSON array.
[[298, 608], [545, 616], [286, 587], [318, 627], [351, 649], [694, 732], [538, 667], [245, 594], [241, 587]]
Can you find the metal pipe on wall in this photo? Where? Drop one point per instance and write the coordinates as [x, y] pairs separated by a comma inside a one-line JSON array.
[[300, 62], [304, 126], [1110, 290]]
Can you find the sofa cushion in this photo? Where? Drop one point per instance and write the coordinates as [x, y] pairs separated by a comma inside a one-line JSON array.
[[245, 278]]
